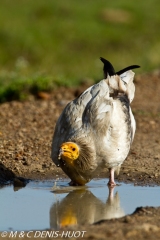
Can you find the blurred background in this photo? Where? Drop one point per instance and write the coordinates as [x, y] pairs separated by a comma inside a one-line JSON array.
[[47, 44]]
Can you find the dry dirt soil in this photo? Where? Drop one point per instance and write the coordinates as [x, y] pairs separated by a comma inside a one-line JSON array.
[[26, 130]]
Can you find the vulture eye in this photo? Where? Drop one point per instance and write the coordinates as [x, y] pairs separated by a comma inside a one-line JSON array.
[[73, 149]]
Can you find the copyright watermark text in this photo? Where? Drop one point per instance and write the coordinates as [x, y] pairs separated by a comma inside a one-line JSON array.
[[43, 234]]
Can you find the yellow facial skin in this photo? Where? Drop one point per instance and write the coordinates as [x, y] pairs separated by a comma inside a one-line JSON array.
[[68, 152]]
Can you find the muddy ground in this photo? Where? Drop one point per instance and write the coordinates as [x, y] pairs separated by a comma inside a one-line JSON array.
[[26, 130]]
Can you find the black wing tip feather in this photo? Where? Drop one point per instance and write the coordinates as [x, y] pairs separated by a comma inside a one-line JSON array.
[[127, 69], [109, 69], [103, 59]]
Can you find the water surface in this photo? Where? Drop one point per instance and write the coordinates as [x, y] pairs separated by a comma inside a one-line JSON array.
[[42, 205]]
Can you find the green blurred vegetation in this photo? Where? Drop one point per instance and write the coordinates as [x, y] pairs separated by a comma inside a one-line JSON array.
[[44, 44]]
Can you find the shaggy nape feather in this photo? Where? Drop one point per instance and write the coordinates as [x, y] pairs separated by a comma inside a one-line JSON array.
[[87, 156]]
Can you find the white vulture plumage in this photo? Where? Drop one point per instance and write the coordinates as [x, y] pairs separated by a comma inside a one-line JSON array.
[[96, 130]]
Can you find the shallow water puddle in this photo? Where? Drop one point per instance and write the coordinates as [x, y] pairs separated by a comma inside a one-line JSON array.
[[42, 205]]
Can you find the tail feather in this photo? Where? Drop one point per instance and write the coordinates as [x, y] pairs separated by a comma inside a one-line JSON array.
[[122, 84]]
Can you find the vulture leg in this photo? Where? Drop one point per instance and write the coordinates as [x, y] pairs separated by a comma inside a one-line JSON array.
[[111, 182]]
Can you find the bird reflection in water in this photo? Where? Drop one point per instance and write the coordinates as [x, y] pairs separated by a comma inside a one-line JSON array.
[[81, 206]]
